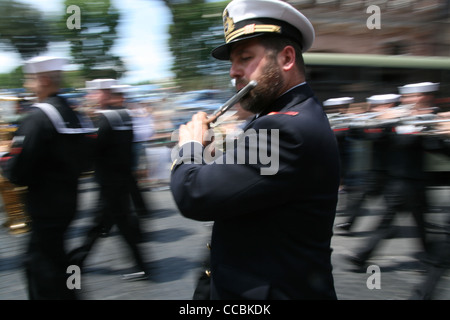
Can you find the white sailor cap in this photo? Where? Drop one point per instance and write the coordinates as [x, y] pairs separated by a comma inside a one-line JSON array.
[[244, 19], [100, 84], [44, 64], [338, 101], [421, 87], [120, 88], [383, 98]]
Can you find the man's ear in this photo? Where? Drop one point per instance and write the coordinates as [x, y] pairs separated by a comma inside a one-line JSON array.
[[286, 58]]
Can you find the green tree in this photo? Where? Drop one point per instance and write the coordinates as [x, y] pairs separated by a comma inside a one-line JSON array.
[[195, 30], [23, 29], [91, 44], [14, 79]]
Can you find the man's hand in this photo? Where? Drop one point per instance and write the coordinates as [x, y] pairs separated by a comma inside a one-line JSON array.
[[443, 127], [5, 146], [195, 130]]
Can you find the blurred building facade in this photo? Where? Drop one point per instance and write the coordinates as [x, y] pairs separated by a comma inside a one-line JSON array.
[[407, 27], [396, 52]]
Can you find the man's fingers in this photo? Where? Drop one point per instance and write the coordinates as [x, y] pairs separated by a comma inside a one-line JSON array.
[[200, 116]]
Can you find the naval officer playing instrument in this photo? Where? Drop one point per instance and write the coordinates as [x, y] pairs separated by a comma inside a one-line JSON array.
[[272, 228]]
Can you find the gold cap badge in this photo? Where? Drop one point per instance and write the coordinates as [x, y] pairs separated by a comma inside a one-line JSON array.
[[228, 24]]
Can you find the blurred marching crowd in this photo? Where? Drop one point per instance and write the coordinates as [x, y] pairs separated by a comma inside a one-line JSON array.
[[152, 123], [396, 147]]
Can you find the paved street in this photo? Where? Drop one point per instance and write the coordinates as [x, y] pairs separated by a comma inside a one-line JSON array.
[[174, 248]]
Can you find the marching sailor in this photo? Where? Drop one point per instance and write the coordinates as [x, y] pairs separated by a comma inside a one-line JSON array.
[[48, 154], [113, 170]]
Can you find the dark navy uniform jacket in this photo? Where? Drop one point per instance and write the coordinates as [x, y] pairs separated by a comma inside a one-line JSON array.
[[272, 232], [113, 161]]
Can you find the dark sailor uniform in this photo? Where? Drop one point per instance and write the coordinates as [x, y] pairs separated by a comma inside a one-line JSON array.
[[113, 167], [48, 156]]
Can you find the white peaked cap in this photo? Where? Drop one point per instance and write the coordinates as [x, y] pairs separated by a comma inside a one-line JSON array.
[[120, 88], [421, 87], [244, 19], [383, 98], [338, 101], [44, 64]]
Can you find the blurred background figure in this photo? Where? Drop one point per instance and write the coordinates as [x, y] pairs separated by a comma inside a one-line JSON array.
[[420, 97], [407, 180], [439, 260], [113, 170], [143, 130], [47, 156], [375, 133], [336, 109]]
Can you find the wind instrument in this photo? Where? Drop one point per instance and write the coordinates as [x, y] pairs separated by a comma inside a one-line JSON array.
[[232, 101]]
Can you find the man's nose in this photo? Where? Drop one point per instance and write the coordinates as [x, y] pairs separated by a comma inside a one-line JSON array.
[[236, 71]]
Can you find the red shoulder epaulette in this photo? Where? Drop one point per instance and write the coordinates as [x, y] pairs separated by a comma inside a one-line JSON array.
[[289, 113]]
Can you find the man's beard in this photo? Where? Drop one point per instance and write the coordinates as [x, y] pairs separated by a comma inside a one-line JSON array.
[[266, 92]]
